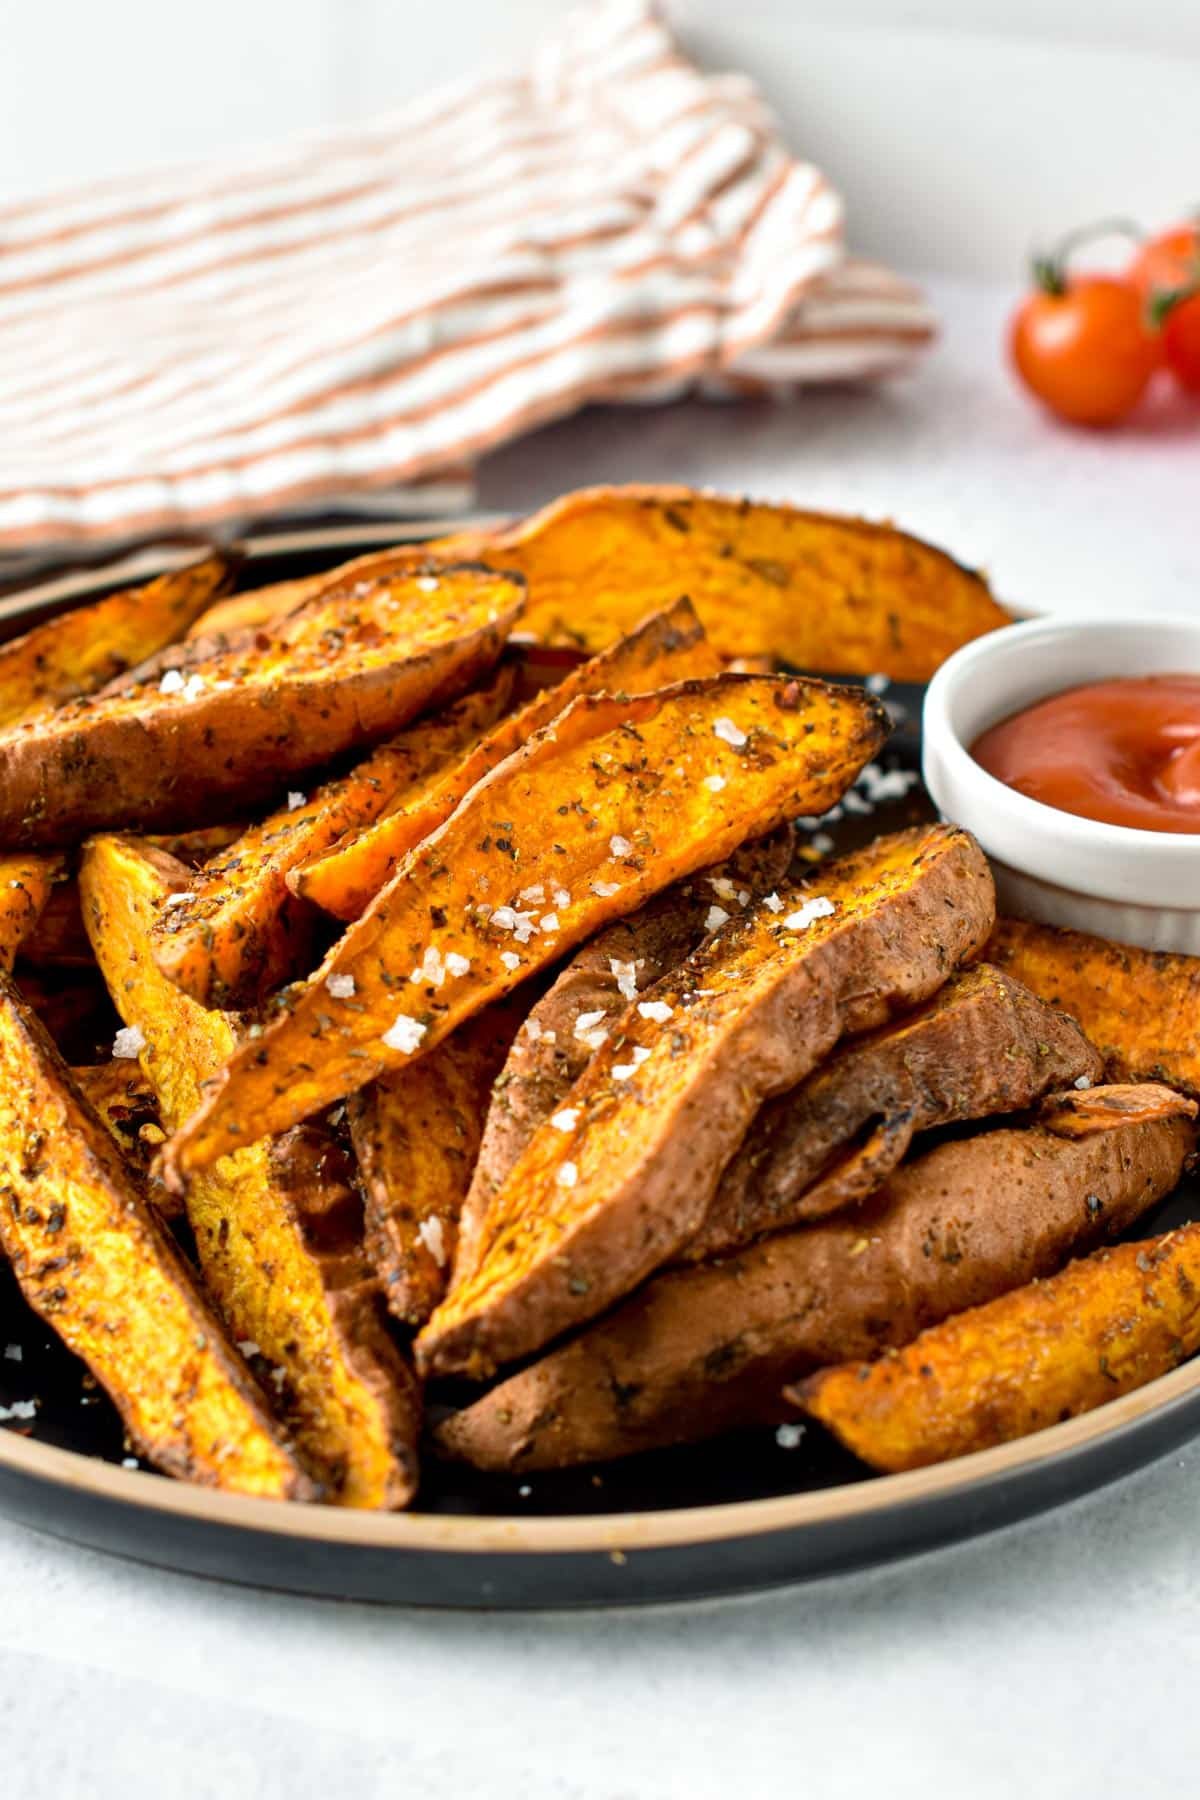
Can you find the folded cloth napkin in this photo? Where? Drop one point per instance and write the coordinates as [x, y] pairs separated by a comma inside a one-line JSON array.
[[353, 317]]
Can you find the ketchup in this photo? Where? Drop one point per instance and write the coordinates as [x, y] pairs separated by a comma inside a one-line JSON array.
[[1125, 752]]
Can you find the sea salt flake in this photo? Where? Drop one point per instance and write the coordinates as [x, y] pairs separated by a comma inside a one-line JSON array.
[[625, 976], [816, 908], [193, 687], [248, 1347], [657, 1010], [606, 889], [13, 1353], [548, 923], [432, 1234], [789, 1437], [296, 799], [130, 1462], [510, 959], [855, 802], [340, 986], [533, 1029], [620, 846], [877, 684], [428, 584], [716, 915], [822, 843], [431, 970], [773, 903], [536, 893], [886, 784], [566, 1120], [20, 1409], [567, 1175], [729, 733], [561, 897], [721, 886], [176, 900], [587, 1022], [172, 682], [1084, 1081], [405, 1034], [743, 898], [714, 783], [456, 964], [129, 1042]]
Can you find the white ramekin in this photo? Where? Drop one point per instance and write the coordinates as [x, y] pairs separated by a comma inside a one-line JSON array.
[[1140, 887]]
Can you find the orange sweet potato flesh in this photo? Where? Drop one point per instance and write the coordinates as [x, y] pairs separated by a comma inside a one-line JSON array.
[[984, 1045], [340, 675], [1141, 1008], [817, 590], [710, 1348], [416, 1136], [26, 884], [668, 647], [279, 1246], [127, 1106], [614, 1185], [96, 1265], [610, 804], [239, 932], [79, 651], [1047, 1352], [548, 1055], [246, 611]]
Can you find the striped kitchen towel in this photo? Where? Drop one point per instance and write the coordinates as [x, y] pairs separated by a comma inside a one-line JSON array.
[[352, 318]]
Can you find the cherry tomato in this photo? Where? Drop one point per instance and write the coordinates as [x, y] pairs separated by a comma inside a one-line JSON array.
[[1083, 345], [1167, 262], [1167, 273]]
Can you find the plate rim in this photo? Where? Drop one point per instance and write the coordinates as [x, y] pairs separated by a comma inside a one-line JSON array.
[[91, 1477]]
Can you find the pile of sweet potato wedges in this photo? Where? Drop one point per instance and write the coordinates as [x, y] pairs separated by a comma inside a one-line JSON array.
[[472, 1016]]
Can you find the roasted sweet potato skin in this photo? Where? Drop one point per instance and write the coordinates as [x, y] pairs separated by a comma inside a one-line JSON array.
[[93, 1261], [239, 932], [610, 804], [1141, 1008], [26, 884], [548, 1056], [667, 647], [817, 590], [1047, 1352], [613, 1187], [984, 1045], [278, 1245], [79, 651], [339, 676], [416, 1136], [702, 1350]]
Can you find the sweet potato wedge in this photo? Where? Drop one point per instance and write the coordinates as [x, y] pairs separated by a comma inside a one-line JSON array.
[[416, 1135], [238, 931], [93, 1261], [702, 1350], [616, 1183], [1141, 1008], [818, 590], [548, 1055], [80, 651], [984, 1045], [279, 1249], [1050, 1351], [339, 676], [26, 884], [610, 804], [668, 647], [255, 607]]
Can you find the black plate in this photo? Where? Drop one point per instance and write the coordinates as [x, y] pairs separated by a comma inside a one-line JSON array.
[[716, 1518]]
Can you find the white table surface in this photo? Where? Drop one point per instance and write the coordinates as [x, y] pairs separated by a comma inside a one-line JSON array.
[[1057, 1658]]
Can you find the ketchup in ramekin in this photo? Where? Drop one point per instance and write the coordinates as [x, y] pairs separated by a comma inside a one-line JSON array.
[[1125, 752]]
